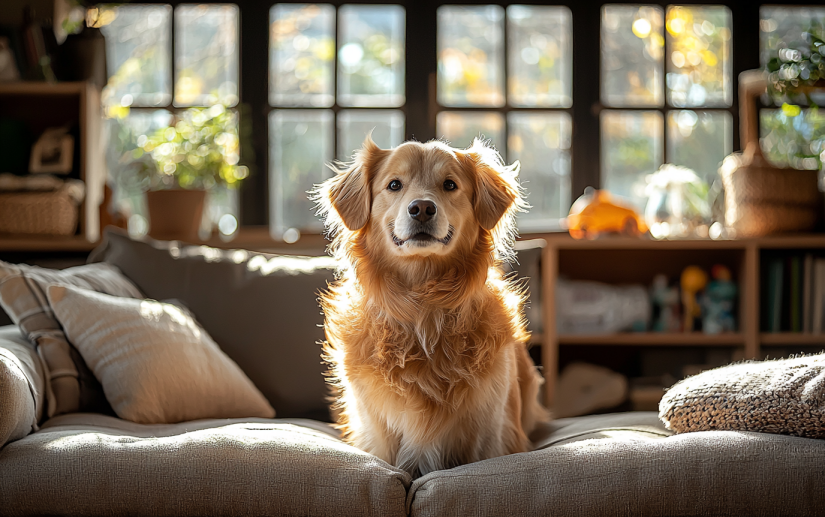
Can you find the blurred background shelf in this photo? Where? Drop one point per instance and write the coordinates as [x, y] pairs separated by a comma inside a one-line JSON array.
[[653, 339], [46, 244], [623, 261], [791, 338]]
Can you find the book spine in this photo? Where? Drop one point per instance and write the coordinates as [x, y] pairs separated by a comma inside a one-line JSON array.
[[807, 293], [796, 296]]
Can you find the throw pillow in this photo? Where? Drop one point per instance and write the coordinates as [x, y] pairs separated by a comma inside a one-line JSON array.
[[71, 385], [261, 309], [783, 397], [155, 363]]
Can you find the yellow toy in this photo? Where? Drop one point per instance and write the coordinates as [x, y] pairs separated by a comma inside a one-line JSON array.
[[597, 212], [694, 279]]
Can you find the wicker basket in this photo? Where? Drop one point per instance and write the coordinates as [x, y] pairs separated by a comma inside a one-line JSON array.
[[761, 199], [38, 213]]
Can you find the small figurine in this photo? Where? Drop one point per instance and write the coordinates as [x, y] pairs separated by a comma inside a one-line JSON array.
[[694, 279], [718, 301], [665, 301], [598, 212]]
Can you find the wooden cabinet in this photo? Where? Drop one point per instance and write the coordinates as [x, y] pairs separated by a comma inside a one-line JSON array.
[[43, 105], [624, 261]]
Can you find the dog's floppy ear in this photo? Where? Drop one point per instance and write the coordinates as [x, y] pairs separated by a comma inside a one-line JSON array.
[[496, 189], [349, 191]]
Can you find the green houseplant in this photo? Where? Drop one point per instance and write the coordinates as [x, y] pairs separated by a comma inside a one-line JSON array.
[[177, 165]]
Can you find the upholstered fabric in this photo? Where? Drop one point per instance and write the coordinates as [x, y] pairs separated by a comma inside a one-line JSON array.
[[785, 396], [628, 465], [98, 465], [22, 386], [262, 310], [156, 364], [71, 386]]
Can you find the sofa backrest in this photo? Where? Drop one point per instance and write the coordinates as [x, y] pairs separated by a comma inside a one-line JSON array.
[[261, 309]]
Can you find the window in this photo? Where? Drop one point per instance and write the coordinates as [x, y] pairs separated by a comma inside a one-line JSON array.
[[657, 67], [328, 98], [181, 122], [654, 83], [520, 107], [791, 136]]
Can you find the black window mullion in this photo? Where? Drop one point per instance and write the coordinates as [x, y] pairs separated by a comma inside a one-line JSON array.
[[422, 61], [254, 95], [586, 138]]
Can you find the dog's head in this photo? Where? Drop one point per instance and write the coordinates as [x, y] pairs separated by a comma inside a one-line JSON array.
[[422, 200]]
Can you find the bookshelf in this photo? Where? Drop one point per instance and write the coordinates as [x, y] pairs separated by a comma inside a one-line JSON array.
[[41, 105], [622, 260]]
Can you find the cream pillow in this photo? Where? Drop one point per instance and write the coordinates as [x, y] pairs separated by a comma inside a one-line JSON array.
[[155, 363], [783, 397]]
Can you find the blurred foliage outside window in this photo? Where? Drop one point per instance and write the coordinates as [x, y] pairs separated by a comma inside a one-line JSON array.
[[538, 78], [790, 44], [370, 69], [639, 44]]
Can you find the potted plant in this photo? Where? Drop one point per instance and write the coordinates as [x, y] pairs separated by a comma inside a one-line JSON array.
[[179, 164]]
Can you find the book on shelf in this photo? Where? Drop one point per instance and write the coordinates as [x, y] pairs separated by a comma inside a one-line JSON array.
[[818, 283], [794, 293], [807, 292]]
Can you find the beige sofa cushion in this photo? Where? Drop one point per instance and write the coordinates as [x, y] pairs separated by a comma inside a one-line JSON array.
[[156, 364], [786, 396], [96, 465], [629, 465], [22, 386], [71, 387]]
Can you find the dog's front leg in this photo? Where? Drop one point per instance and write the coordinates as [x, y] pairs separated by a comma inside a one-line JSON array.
[[374, 436]]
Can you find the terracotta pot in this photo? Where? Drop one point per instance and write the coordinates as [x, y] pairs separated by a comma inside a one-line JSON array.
[[175, 213]]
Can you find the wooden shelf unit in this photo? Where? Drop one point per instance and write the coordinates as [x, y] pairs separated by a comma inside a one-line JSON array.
[[625, 260], [42, 105]]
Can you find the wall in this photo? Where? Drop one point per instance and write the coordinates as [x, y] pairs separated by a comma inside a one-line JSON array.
[[11, 12]]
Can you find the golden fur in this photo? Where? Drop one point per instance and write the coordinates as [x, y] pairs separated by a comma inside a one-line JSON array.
[[426, 340]]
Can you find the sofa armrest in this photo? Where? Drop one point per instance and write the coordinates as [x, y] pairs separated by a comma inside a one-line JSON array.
[[22, 386]]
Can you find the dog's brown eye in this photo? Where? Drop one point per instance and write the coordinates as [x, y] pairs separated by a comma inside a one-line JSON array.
[[450, 185], [394, 185]]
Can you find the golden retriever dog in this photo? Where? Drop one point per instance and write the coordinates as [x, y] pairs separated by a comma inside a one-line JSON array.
[[426, 339]]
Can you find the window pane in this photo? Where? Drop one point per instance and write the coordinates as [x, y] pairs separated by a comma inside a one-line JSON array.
[[459, 128], [541, 142], [301, 55], [371, 55], [387, 127], [138, 55], [300, 143], [125, 157], [631, 149], [699, 140], [471, 55], [699, 61], [783, 27], [206, 55], [793, 141], [632, 53], [539, 46]]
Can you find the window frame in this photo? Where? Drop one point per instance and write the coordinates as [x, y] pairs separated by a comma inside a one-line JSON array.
[[421, 105]]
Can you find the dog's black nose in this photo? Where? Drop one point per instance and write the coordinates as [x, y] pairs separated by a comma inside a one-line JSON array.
[[421, 210]]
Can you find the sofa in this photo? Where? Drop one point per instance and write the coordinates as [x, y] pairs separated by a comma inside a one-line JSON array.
[[262, 311]]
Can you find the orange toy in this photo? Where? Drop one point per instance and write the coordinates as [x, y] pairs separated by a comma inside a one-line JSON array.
[[694, 279], [597, 212]]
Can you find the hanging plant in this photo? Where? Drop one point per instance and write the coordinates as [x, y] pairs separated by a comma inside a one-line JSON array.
[[795, 75]]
